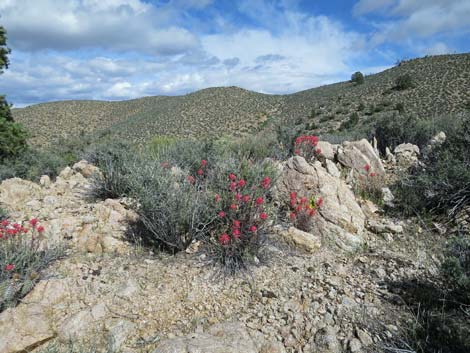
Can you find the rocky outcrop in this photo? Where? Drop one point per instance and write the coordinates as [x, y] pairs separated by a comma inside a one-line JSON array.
[[356, 155], [340, 220], [62, 207]]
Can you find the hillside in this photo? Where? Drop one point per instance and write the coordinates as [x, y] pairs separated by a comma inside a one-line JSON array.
[[442, 85]]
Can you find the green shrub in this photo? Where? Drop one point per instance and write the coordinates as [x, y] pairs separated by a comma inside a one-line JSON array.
[[357, 78], [351, 122], [12, 139], [441, 184], [393, 129], [456, 266], [22, 259], [400, 107], [404, 82]]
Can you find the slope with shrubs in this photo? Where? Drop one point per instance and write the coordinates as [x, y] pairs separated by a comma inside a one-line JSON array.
[[439, 85]]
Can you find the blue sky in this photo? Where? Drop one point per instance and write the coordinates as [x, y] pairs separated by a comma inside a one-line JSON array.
[[122, 49]]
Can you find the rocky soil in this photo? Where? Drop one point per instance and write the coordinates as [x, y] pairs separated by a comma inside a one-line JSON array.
[[325, 291]]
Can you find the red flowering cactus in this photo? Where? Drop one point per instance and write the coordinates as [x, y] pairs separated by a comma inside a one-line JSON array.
[[306, 146], [303, 210]]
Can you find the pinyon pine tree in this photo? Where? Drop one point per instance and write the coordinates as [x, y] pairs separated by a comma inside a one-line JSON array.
[[12, 135]]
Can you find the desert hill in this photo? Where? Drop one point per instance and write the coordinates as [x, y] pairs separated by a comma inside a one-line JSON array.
[[441, 85]]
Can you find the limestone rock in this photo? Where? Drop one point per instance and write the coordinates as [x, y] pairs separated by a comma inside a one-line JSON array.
[[16, 192], [356, 155], [45, 181], [384, 226], [23, 328], [221, 338], [328, 150], [332, 169], [407, 154], [340, 219], [86, 169], [305, 241]]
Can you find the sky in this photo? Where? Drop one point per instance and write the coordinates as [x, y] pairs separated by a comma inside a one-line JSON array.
[[124, 49]]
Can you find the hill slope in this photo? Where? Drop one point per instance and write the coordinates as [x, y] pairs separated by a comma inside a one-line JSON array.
[[442, 85]]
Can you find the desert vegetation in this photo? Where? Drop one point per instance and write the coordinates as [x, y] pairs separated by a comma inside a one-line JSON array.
[[243, 195]]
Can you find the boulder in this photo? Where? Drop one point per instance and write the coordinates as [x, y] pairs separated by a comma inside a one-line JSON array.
[[303, 240], [328, 150], [356, 155], [340, 219], [29, 325], [332, 168], [406, 154], [15, 193], [86, 169]]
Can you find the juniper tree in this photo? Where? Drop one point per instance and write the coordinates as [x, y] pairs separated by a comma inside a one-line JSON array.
[[12, 135]]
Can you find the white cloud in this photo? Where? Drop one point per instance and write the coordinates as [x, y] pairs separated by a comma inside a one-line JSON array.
[[287, 53], [110, 24], [410, 19]]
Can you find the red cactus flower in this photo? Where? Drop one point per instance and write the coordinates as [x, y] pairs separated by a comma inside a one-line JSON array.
[[5, 223], [9, 267], [17, 226], [217, 198], [318, 151], [203, 163], [293, 195], [293, 202], [236, 233], [224, 239], [303, 200], [259, 201], [253, 229], [298, 208], [236, 224], [40, 229], [232, 176], [372, 174], [367, 167], [238, 196], [33, 222], [292, 215], [266, 183], [246, 198], [200, 172], [233, 186], [233, 206], [190, 179], [263, 216], [12, 231], [241, 183], [312, 212], [221, 214]]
